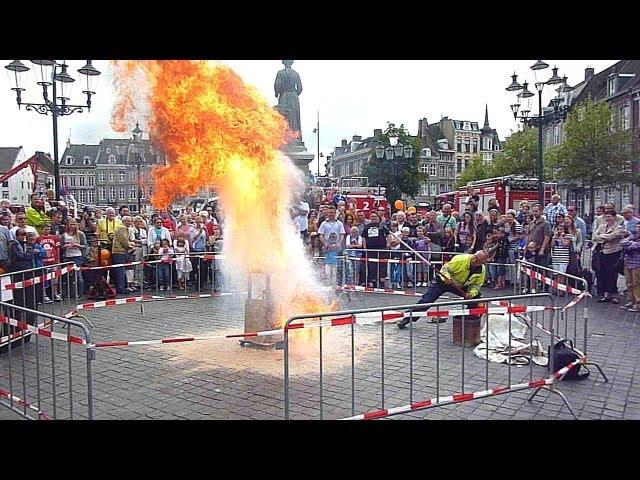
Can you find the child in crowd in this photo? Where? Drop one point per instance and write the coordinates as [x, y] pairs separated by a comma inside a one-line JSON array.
[[51, 246], [490, 247], [395, 245], [354, 245], [331, 259], [164, 266], [183, 263], [501, 258], [422, 244]]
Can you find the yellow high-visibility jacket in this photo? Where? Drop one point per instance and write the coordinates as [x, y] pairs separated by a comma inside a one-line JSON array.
[[466, 277]]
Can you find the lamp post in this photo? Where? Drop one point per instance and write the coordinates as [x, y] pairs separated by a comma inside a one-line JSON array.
[[317, 131], [55, 104], [396, 153], [136, 149], [558, 112]]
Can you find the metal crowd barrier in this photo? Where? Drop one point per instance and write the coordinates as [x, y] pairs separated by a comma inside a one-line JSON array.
[[41, 369], [435, 364], [536, 278]]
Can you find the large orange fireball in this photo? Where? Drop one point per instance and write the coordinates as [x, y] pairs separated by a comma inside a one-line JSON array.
[[216, 130]]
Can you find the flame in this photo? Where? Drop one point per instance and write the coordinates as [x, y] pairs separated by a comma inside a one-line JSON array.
[[217, 130]]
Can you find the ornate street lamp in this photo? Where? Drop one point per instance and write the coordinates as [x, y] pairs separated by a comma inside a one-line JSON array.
[[53, 74], [395, 152], [557, 112], [137, 151]]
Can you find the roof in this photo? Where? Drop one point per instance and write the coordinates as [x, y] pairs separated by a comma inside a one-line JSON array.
[[78, 152], [8, 157], [46, 162], [596, 87]]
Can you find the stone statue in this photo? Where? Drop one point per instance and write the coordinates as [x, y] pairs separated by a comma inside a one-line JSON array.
[[288, 86]]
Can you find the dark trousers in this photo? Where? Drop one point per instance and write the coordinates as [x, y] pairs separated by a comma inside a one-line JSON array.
[[434, 291], [377, 271], [608, 273], [200, 271]]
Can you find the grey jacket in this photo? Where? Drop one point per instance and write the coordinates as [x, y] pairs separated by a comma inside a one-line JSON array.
[[610, 237], [4, 243]]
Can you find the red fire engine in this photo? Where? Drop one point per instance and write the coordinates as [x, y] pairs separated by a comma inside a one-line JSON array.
[[366, 198], [509, 191]]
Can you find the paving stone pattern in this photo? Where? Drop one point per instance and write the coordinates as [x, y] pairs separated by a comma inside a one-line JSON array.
[[154, 382]]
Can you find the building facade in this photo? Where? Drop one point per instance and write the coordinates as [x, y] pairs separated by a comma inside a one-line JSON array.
[[619, 85], [107, 174], [19, 186], [348, 160]]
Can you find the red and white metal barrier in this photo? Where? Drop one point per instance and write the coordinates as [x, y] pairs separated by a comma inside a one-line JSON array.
[[19, 401], [359, 319], [390, 291], [41, 331], [464, 397], [40, 278], [551, 282]]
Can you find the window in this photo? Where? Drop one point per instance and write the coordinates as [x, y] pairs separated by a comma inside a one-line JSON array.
[[597, 197], [91, 180], [442, 171], [467, 126], [73, 181], [122, 176], [112, 194], [434, 189], [424, 189], [81, 181], [86, 161], [132, 176], [68, 160], [458, 165], [636, 113], [432, 170], [132, 193], [611, 85], [5, 184], [101, 196], [625, 194], [5, 194], [474, 146], [82, 196], [467, 145], [624, 117], [101, 176], [122, 194], [459, 146], [424, 168], [108, 151], [556, 134], [112, 159], [112, 176], [91, 196], [609, 194]]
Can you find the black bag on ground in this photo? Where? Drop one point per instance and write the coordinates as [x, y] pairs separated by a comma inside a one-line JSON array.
[[564, 354], [587, 274]]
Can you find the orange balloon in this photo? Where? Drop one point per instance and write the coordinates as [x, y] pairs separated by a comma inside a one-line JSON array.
[[411, 210], [105, 255], [399, 204]]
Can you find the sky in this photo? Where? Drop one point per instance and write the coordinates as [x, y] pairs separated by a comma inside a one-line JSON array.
[[353, 97]]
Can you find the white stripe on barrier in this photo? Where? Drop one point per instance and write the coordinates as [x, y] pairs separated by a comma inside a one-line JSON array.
[[549, 281], [19, 401], [39, 279], [41, 331], [390, 291]]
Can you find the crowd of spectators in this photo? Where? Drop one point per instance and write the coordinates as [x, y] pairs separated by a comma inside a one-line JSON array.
[[46, 233]]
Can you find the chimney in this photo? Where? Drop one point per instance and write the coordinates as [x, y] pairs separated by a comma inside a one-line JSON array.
[[588, 73], [344, 143], [377, 133], [357, 138], [423, 128]]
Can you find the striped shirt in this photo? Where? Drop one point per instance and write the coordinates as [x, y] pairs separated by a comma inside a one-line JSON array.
[[560, 255]]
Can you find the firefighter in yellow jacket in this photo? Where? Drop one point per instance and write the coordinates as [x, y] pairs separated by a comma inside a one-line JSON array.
[[463, 274]]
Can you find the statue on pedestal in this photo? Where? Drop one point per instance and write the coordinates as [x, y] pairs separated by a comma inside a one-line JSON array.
[[288, 87]]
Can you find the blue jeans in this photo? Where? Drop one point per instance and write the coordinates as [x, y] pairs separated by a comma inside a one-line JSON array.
[[164, 274], [434, 291], [121, 282]]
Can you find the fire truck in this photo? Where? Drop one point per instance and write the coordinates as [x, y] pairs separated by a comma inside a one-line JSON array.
[[509, 191], [357, 189]]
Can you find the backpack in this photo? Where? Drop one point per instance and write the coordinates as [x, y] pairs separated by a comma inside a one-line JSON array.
[[564, 354]]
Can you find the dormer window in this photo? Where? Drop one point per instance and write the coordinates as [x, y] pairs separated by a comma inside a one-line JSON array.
[[611, 85], [426, 152], [467, 126], [86, 161], [112, 158], [68, 160], [108, 151]]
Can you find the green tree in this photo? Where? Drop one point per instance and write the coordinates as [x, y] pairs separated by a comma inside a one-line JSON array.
[[518, 156], [593, 151], [476, 170], [399, 176]]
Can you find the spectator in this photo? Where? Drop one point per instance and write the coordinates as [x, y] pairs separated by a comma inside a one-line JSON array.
[[360, 221], [578, 222], [184, 228], [123, 211], [422, 244], [331, 258], [106, 227], [21, 223], [472, 200], [157, 232], [530, 255], [165, 251], [446, 219], [5, 238], [353, 253], [375, 238], [560, 250], [51, 246], [466, 233], [393, 243], [447, 244], [198, 245], [493, 220], [312, 230], [607, 239], [119, 253], [140, 239], [501, 257], [525, 209], [512, 231], [630, 222], [559, 221], [599, 211], [555, 207], [481, 230], [183, 264], [540, 233], [22, 258], [329, 226], [35, 214], [87, 224], [57, 222], [631, 248], [493, 204], [74, 246], [577, 240], [608, 207], [299, 212], [413, 225], [402, 220]]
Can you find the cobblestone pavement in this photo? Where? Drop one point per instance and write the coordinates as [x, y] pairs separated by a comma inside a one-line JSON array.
[[221, 380]]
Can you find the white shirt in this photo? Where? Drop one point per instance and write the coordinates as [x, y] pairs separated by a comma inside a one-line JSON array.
[[28, 228], [302, 220]]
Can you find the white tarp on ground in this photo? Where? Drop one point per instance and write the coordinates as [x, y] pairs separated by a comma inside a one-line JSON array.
[[498, 343]]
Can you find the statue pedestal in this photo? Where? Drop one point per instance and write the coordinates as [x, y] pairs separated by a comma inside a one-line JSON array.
[[298, 154]]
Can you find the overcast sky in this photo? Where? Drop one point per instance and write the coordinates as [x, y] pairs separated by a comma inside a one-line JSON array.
[[352, 96]]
